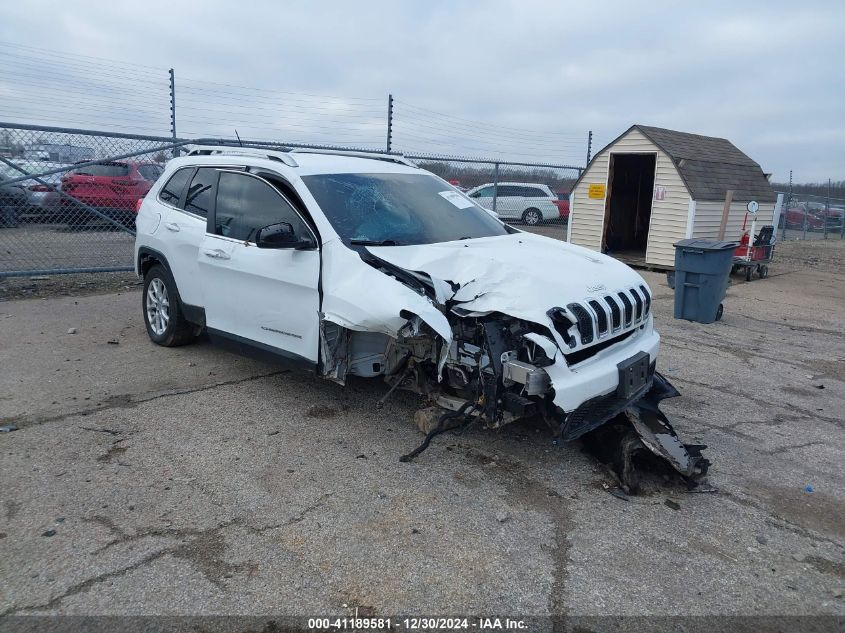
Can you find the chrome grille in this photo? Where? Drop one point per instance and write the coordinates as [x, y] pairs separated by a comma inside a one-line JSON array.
[[615, 313], [598, 318], [638, 314], [585, 322], [601, 316], [629, 308], [647, 301]]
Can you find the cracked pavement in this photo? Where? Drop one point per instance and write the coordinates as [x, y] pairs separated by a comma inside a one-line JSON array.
[[193, 481]]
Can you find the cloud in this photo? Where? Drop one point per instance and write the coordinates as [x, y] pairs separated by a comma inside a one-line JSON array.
[[501, 78]]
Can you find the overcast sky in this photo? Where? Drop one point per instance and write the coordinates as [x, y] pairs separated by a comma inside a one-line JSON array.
[[514, 79]]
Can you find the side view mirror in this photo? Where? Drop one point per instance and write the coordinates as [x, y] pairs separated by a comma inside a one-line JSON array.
[[281, 235]]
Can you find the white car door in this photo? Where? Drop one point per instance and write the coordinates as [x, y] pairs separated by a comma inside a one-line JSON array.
[[509, 203], [267, 297], [184, 223], [541, 198]]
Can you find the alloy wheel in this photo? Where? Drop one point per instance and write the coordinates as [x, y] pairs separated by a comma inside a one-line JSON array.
[[158, 306], [532, 217]]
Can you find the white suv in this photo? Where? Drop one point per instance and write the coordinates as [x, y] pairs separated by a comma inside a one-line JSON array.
[[529, 202], [366, 265]]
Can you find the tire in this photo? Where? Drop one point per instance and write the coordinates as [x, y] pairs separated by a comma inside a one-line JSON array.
[[532, 217], [763, 271], [719, 312], [748, 271], [162, 310]]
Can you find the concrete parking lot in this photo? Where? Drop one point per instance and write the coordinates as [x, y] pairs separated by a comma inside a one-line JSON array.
[[55, 246], [145, 480]]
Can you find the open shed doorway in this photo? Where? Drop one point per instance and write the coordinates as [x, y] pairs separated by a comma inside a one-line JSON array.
[[628, 209]]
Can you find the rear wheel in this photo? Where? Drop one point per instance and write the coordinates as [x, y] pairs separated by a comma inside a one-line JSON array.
[[764, 272], [166, 324], [748, 272], [532, 217], [719, 311]]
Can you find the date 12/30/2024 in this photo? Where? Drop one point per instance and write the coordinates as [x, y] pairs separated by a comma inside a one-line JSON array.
[[358, 623]]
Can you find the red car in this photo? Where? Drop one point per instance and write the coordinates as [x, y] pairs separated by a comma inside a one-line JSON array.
[[815, 217], [111, 187], [562, 204]]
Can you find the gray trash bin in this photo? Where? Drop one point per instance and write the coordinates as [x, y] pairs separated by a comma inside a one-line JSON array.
[[702, 272]]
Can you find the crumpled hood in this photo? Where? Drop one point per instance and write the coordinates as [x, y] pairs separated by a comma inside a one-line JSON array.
[[522, 275]]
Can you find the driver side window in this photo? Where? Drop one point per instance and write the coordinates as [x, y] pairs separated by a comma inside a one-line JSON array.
[[246, 204]]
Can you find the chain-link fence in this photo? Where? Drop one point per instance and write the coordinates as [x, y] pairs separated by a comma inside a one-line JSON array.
[[68, 197], [811, 217]]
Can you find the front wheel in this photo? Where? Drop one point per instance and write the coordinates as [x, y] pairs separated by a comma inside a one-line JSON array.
[[166, 324], [532, 217]]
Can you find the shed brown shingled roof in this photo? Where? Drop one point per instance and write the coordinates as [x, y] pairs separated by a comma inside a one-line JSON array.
[[710, 166]]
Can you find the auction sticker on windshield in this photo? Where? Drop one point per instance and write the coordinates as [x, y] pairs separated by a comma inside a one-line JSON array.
[[457, 199]]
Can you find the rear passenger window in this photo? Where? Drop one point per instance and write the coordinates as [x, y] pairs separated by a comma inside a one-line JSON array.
[[246, 204], [104, 169], [201, 191], [150, 172], [172, 191]]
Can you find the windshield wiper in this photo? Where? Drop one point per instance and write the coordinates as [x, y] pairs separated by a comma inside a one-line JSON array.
[[374, 242]]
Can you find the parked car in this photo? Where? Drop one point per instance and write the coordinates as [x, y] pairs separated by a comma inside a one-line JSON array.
[[562, 204], [112, 187], [529, 202], [42, 198], [815, 217], [365, 265]]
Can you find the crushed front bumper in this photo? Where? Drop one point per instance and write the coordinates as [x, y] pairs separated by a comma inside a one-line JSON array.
[[637, 423]]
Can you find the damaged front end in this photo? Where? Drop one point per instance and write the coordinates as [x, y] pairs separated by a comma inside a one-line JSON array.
[[641, 429], [481, 351]]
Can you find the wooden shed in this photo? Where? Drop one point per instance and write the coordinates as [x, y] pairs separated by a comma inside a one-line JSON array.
[[651, 187]]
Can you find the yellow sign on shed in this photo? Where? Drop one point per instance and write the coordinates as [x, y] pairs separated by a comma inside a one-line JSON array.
[[596, 191]]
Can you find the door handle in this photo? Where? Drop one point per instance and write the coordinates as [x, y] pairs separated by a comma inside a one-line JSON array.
[[171, 226], [216, 254]]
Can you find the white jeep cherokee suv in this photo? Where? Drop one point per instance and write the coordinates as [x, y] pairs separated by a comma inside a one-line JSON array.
[[366, 265], [528, 202]]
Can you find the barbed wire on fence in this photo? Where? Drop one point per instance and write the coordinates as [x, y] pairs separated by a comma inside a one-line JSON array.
[[421, 129], [85, 91], [51, 222]]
